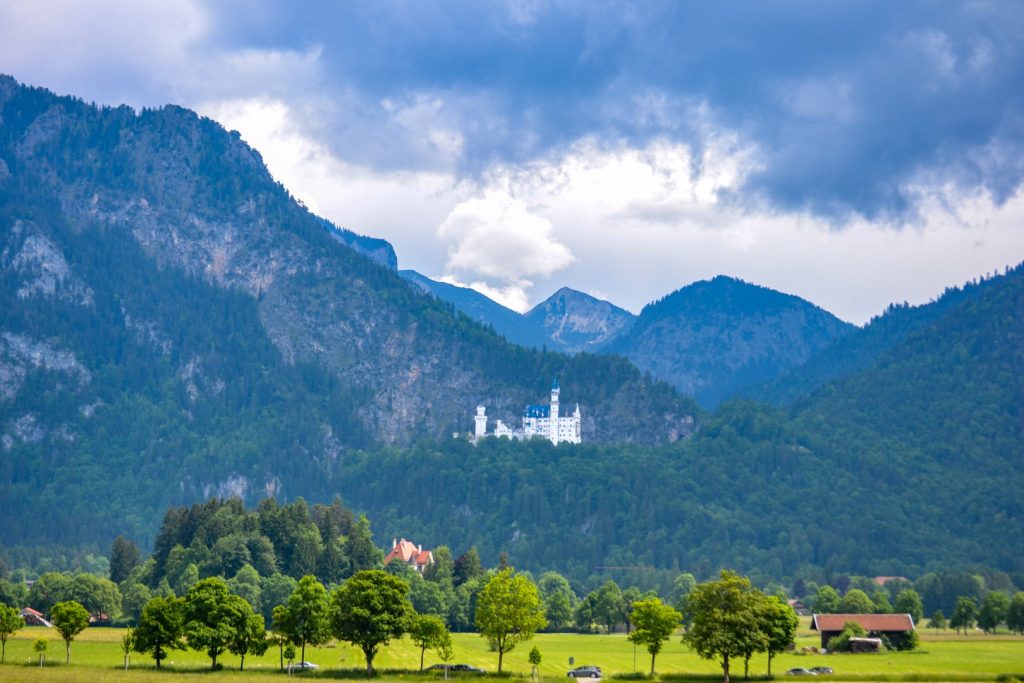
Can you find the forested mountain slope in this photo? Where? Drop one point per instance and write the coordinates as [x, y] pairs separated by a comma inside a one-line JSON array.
[[711, 339], [861, 347], [951, 392], [175, 325], [913, 463]]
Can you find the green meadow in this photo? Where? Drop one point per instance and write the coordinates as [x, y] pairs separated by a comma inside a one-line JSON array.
[[96, 655]]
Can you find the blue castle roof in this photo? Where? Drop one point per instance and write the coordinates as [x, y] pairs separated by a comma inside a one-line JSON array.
[[537, 411]]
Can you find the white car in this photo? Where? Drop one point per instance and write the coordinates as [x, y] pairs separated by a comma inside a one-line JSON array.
[[298, 667]]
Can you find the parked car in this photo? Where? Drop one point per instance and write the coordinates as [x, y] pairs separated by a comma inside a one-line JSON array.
[[464, 668], [302, 666], [585, 671], [822, 670], [800, 671]]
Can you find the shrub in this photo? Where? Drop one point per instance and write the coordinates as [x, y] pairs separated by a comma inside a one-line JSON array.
[[841, 643]]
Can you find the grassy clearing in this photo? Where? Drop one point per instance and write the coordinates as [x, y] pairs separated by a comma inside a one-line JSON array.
[[96, 655]]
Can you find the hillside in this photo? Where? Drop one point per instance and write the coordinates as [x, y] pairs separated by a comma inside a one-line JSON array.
[[176, 325], [712, 339], [859, 348], [952, 391], [909, 464]]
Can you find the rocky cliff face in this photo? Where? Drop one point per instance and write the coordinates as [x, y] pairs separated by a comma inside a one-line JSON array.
[[711, 339], [575, 321]]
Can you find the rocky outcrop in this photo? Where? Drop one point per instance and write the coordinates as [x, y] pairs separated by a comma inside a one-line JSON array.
[[41, 267], [575, 321]]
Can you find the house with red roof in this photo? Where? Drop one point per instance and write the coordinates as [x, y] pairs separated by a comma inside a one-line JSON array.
[[895, 627], [33, 618], [413, 555]]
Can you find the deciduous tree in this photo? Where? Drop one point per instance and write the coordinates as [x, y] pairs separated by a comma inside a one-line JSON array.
[[609, 605], [508, 611], [127, 646], [370, 609], [39, 647], [248, 632], [428, 632], [682, 586], [909, 602], [10, 623], [779, 622], [724, 620], [304, 618], [1015, 614], [964, 615], [993, 611], [70, 619], [160, 628], [856, 601], [558, 598], [534, 659], [826, 600], [209, 613], [653, 623]]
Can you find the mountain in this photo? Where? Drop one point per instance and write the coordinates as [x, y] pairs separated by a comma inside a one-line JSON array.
[[713, 338], [911, 464], [568, 321], [506, 322], [952, 389], [859, 348], [176, 325], [575, 321]]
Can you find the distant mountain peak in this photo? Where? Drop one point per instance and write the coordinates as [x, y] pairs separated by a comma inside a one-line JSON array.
[[713, 338], [577, 321]]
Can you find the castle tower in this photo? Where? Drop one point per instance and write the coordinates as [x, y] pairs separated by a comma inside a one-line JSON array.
[[553, 425], [480, 426]]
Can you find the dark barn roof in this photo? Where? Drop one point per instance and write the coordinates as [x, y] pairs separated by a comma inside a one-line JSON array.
[[870, 622]]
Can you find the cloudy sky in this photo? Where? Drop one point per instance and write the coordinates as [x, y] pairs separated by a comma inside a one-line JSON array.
[[853, 153]]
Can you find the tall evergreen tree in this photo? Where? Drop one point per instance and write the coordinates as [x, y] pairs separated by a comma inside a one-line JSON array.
[[124, 557]]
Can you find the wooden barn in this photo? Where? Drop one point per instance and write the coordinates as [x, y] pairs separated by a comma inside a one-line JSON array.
[[895, 627]]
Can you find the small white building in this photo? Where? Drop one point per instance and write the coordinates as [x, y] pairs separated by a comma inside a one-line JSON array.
[[538, 421]]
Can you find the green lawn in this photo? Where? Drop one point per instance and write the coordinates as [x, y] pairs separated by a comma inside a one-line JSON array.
[[95, 655]]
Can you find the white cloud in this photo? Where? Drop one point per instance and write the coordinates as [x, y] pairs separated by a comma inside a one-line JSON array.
[[402, 207], [641, 223], [633, 222], [513, 296], [497, 238]]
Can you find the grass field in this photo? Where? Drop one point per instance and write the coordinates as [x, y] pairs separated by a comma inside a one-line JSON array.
[[95, 655]]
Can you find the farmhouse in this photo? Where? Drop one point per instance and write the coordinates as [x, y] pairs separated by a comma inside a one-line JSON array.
[[33, 618], [895, 627], [413, 555]]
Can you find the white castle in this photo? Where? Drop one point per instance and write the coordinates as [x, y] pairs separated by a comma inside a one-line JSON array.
[[538, 420]]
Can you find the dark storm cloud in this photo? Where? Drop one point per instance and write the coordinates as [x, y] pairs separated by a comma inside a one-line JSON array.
[[847, 102]]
